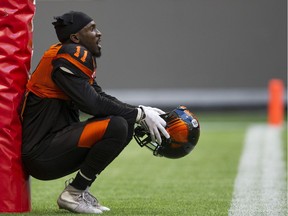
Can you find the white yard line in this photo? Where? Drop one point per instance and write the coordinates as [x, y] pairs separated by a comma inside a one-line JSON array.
[[260, 186]]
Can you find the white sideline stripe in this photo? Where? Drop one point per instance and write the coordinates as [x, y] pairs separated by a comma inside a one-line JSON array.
[[260, 185]]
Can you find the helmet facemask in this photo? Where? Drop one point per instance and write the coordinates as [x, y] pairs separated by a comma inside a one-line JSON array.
[[143, 138]]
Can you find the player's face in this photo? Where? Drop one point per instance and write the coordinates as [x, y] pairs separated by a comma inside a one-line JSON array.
[[90, 37]]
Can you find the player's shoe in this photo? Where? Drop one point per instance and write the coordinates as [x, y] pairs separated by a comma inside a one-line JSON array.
[[77, 201], [94, 202]]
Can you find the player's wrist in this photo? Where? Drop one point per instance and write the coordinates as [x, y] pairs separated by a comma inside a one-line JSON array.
[[140, 115]]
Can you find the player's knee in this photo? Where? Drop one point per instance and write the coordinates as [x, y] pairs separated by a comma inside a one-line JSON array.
[[118, 128]]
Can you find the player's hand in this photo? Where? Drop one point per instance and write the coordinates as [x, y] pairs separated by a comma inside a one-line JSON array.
[[154, 108], [154, 123]]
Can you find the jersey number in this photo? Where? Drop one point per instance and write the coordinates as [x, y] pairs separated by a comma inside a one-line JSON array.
[[77, 54]]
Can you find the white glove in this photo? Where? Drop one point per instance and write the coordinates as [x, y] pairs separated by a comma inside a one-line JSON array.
[[154, 108], [153, 122]]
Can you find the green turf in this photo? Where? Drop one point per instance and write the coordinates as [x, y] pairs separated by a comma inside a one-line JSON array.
[[138, 183]]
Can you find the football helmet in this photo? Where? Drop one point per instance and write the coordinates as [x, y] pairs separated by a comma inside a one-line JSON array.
[[184, 130]]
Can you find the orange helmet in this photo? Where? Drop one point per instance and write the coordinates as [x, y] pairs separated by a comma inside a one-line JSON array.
[[184, 130]]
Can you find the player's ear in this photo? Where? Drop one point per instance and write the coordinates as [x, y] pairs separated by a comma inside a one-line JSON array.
[[74, 38]]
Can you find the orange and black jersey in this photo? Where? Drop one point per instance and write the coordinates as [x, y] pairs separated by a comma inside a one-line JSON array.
[[61, 85]]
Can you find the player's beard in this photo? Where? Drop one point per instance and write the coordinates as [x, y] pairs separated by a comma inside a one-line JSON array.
[[98, 53]]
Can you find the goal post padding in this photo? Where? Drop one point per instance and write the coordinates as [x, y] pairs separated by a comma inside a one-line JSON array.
[[15, 59]]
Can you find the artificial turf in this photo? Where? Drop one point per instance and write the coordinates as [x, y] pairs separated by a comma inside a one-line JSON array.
[[138, 183]]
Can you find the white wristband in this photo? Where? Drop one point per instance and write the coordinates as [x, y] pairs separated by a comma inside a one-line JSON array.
[[139, 115]]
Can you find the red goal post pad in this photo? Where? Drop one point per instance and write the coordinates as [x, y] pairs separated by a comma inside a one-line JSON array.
[[15, 59]]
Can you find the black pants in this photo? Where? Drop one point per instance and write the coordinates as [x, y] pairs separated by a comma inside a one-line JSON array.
[[62, 155]]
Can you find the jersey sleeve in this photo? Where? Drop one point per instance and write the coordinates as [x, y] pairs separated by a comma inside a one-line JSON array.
[[77, 59], [88, 100], [72, 67], [98, 89]]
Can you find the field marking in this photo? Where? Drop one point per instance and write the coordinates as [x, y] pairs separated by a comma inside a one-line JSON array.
[[260, 185]]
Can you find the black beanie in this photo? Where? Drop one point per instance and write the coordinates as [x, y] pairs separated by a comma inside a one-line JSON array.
[[70, 23]]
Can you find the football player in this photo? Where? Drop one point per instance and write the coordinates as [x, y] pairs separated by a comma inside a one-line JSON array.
[[55, 142]]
